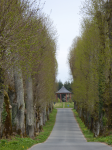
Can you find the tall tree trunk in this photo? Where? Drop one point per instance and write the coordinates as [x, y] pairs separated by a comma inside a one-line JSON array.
[[18, 82], [7, 131], [44, 116], [109, 20], [101, 71], [47, 112], [29, 108], [1, 99], [51, 106], [41, 121]]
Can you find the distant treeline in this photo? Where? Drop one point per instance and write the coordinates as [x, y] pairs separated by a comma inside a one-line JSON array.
[[67, 85]]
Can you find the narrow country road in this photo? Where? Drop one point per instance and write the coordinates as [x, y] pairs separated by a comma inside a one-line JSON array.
[[66, 135]]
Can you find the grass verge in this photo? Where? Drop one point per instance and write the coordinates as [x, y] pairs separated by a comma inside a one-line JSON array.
[[18, 143], [89, 135]]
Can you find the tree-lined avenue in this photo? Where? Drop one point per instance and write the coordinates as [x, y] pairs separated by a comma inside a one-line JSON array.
[[66, 135]]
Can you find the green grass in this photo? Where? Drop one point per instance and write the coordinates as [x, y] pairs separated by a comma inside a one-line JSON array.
[[89, 135], [69, 105], [18, 143], [58, 105], [64, 105]]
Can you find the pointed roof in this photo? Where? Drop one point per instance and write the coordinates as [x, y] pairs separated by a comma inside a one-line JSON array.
[[63, 90]]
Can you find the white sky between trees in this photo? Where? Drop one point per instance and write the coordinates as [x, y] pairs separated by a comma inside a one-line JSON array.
[[66, 19]]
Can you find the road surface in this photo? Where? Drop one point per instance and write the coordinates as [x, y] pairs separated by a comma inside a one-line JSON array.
[[66, 135]]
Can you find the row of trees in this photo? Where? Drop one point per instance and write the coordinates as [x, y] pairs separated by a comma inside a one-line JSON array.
[[90, 61], [28, 68]]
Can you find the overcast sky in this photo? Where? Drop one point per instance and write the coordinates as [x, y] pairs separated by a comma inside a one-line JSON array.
[[66, 18]]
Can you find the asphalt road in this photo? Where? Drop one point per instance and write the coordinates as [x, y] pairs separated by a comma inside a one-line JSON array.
[[66, 135]]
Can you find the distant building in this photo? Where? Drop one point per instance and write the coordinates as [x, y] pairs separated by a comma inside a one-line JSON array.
[[63, 90]]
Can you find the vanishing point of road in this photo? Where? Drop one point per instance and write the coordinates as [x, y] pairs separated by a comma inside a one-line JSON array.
[[66, 135]]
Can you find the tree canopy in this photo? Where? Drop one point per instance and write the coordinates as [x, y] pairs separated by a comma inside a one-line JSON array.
[[90, 61]]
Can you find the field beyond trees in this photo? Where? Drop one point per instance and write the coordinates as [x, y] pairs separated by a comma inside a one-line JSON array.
[[64, 105]]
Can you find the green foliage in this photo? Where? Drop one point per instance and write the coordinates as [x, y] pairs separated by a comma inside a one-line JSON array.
[[58, 100], [70, 100], [90, 62], [25, 143], [4, 113], [28, 43], [68, 86], [104, 120], [60, 84]]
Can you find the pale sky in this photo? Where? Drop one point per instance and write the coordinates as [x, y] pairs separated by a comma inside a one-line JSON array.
[[66, 19]]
